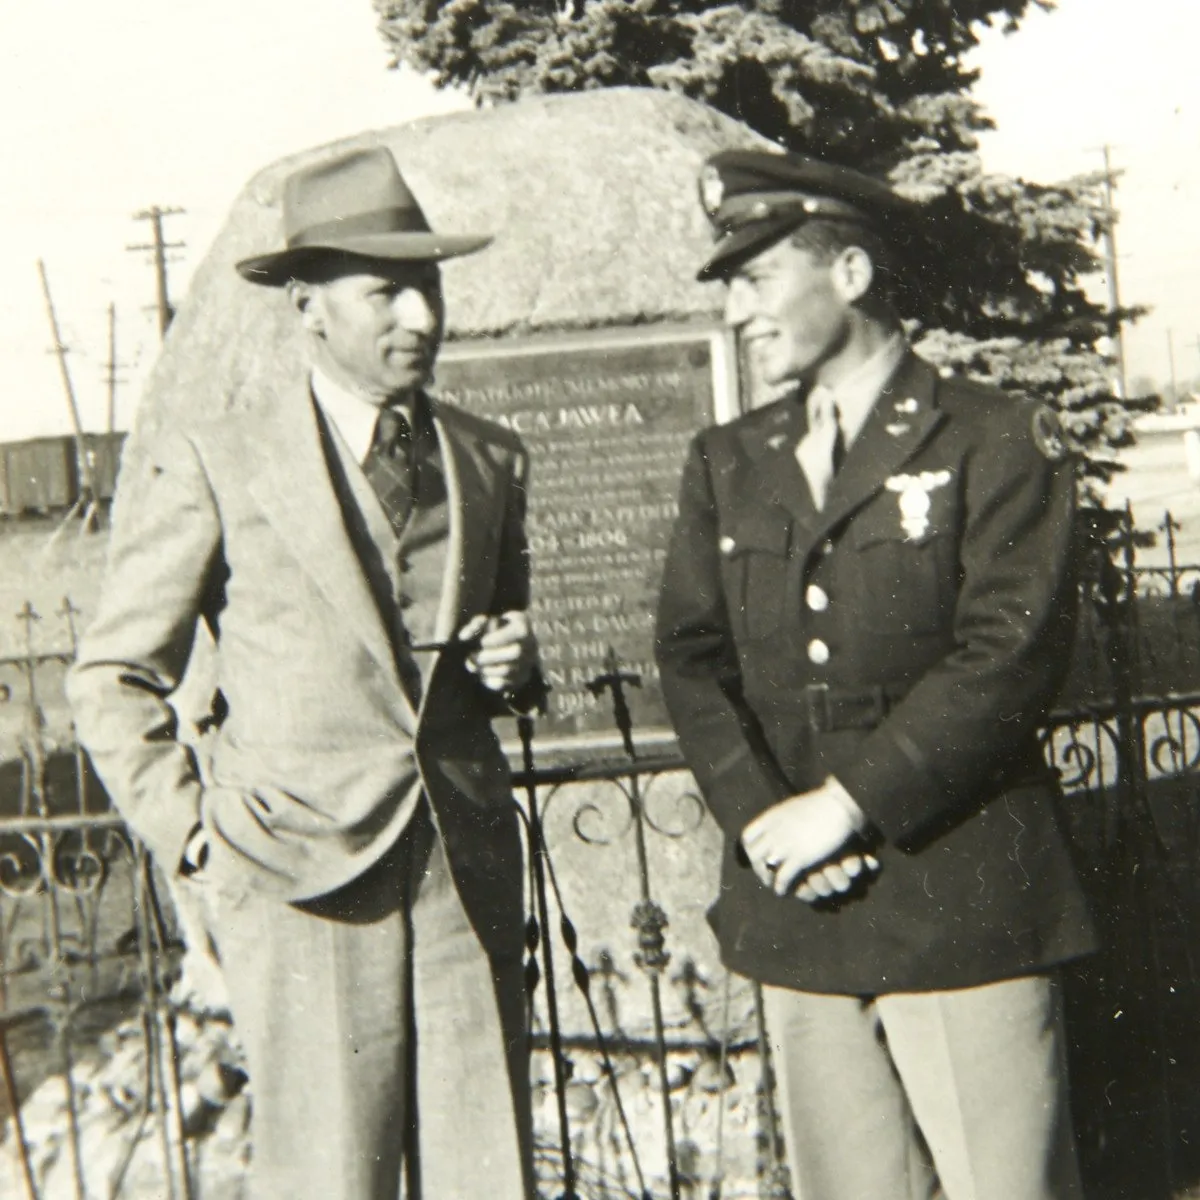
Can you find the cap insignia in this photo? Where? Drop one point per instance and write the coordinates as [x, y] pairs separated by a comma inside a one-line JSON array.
[[712, 190], [1048, 434]]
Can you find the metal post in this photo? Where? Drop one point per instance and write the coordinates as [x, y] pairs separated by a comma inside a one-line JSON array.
[[10, 1093], [1169, 526], [537, 858], [161, 1071], [36, 756], [648, 917], [111, 378], [62, 1035]]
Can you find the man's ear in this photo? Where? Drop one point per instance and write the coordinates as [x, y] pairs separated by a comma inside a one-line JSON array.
[[853, 273], [305, 299]]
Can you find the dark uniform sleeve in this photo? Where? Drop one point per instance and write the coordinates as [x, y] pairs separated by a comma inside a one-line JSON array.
[[946, 745], [697, 658]]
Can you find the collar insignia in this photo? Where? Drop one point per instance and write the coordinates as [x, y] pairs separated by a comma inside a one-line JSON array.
[[1049, 435], [712, 190]]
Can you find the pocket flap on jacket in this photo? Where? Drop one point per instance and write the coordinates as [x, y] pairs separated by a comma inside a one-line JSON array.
[[768, 532]]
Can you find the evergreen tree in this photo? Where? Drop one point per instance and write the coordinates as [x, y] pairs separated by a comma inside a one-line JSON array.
[[880, 85]]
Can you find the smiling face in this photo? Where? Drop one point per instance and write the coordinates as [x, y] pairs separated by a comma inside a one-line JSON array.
[[376, 328], [794, 307]]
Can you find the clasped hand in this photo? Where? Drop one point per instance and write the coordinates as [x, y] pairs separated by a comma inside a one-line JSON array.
[[803, 844], [505, 653]]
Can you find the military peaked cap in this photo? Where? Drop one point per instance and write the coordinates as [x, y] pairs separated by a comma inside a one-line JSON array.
[[756, 197]]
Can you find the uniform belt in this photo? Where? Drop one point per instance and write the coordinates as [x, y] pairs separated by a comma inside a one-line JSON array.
[[832, 709]]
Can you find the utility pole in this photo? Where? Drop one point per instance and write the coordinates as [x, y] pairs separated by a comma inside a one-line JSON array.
[[110, 377], [159, 245], [87, 484], [1110, 267], [1171, 363]]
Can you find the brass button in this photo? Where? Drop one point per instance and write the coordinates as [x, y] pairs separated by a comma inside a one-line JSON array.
[[818, 652], [727, 545], [826, 547], [817, 598]]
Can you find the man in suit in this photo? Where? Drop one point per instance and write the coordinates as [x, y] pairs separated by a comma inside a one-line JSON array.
[[357, 551], [867, 607]]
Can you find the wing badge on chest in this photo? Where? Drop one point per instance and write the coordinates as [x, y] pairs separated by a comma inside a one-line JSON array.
[[913, 499]]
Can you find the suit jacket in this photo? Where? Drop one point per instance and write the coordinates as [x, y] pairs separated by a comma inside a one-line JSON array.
[[321, 755], [936, 587]]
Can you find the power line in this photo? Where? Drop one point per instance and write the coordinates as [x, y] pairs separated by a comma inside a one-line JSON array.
[[159, 246], [86, 501], [111, 379]]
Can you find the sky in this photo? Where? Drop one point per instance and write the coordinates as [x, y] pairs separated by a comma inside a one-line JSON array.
[[106, 109]]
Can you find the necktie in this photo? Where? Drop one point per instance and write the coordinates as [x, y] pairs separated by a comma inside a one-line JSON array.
[[390, 467], [820, 451]]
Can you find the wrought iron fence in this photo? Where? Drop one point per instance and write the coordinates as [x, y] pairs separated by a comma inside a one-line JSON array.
[[122, 1079]]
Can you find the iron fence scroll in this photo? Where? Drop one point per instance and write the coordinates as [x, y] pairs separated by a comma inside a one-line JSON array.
[[650, 1067]]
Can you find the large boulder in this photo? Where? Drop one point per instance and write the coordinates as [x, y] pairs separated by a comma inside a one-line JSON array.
[[591, 197]]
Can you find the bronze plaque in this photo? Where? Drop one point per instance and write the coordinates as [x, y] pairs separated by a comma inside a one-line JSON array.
[[607, 419]]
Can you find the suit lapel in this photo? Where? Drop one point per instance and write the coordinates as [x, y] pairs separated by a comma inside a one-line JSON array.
[[901, 422], [296, 495]]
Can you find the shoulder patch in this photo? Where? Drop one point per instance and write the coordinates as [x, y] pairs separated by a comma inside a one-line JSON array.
[[1048, 434]]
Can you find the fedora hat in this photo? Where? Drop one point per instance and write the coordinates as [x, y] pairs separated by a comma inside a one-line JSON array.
[[757, 197], [356, 204]]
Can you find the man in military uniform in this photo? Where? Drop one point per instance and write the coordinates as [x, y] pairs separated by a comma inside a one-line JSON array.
[[867, 607]]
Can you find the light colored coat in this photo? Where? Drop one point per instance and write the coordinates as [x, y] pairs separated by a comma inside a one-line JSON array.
[[317, 765]]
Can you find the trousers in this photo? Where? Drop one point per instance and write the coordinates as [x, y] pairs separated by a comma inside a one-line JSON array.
[[955, 1095], [388, 1055]]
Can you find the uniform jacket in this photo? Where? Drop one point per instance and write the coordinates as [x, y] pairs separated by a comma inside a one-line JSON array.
[[936, 588], [322, 753]]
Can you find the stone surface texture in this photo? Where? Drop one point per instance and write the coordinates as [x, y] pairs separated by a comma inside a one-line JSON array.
[[591, 198]]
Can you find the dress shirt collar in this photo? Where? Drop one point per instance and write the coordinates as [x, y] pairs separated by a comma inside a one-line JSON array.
[[856, 395], [352, 414]]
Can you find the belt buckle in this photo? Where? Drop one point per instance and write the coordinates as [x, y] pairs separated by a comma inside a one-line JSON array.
[[820, 716]]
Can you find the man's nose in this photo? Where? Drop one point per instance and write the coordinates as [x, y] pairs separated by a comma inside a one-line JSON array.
[[737, 303], [417, 311]]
